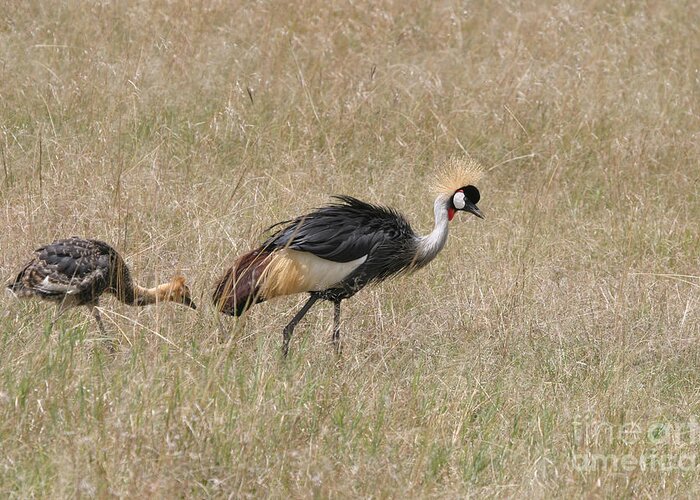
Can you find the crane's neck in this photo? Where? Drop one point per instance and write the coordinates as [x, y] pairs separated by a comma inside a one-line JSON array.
[[145, 296], [132, 294], [429, 246], [135, 295]]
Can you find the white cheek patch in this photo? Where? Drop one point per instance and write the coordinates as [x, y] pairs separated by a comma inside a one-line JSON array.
[[458, 200]]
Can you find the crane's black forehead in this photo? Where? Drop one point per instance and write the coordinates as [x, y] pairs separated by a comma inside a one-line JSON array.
[[472, 194]]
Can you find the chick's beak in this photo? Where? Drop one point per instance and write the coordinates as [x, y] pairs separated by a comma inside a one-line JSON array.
[[472, 208], [188, 302]]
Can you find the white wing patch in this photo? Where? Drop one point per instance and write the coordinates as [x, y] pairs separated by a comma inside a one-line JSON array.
[[459, 200], [293, 271], [321, 274], [48, 286]]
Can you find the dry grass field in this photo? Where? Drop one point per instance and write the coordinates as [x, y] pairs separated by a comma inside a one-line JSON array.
[[552, 349]]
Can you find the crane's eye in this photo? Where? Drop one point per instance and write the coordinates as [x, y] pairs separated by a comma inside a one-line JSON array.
[[472, 194], [458, 200]]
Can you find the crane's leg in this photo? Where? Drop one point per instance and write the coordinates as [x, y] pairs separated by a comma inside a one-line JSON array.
[[98, 318], [111, 345], [60, 309], [222, 331], [289, 329], [336, 326]]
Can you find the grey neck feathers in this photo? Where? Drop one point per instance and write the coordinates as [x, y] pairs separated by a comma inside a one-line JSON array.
[[121, 284], [430, 245], [128, 292]]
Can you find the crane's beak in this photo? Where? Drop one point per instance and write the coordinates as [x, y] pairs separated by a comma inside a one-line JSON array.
[[471, 208]]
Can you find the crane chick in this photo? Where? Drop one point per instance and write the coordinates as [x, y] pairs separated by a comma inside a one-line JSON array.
[[335, 251], [76, 272]]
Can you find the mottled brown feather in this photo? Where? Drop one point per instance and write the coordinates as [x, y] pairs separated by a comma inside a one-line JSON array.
[[77, 271]]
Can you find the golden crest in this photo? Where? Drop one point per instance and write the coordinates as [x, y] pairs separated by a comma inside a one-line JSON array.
[[457, 173]]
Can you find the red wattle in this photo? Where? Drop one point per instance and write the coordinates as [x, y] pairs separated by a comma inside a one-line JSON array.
[[451, 213]]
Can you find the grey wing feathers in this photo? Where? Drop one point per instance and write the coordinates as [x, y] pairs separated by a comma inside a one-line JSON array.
[[341, 232]]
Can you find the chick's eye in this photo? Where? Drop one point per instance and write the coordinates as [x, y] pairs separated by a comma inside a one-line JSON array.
[[458, 200]]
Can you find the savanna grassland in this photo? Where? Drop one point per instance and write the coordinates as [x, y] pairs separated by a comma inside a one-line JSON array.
[[552, 349]]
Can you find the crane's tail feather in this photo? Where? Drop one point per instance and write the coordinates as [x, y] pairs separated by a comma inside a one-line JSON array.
[[15, 288], [18, 287], [239, 288]]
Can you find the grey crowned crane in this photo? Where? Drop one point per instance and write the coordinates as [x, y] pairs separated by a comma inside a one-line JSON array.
[[76, 272], [335, 251]]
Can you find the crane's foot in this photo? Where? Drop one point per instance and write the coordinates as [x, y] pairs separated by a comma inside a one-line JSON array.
[[222, 335], [111, 345]]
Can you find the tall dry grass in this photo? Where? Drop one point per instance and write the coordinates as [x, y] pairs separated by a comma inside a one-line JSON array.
[[564, 326]]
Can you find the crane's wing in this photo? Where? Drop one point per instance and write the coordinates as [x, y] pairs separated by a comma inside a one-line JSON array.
[[341, 232], [68, 266]]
